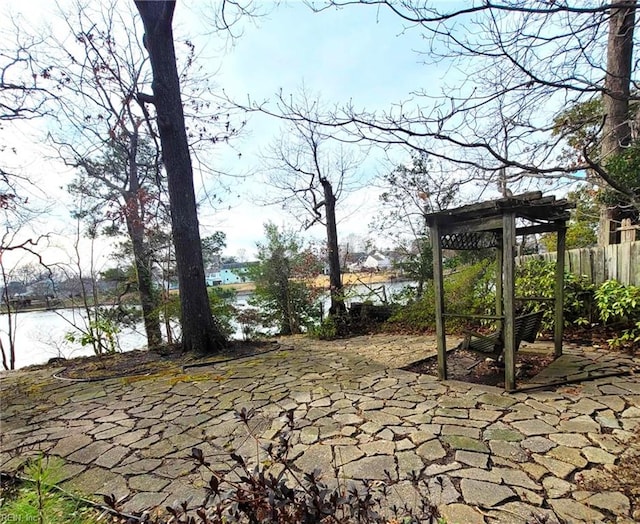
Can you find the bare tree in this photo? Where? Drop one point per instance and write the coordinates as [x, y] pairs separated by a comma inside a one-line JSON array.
[[199, 331], [519, 63], [311, 174], [102, 132]]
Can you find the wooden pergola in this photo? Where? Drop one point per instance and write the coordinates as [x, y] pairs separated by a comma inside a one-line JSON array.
[[496, 224]]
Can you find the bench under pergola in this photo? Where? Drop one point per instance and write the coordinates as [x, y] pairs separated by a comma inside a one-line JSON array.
[[496, 224]]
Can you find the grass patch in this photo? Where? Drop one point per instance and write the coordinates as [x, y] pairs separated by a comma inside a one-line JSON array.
[[23, 504], [36, 499]]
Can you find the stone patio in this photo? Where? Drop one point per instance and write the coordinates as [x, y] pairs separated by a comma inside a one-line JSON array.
[[483, 455]]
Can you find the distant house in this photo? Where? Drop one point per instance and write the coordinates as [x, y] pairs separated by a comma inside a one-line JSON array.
[[230, 273], [377, 262]]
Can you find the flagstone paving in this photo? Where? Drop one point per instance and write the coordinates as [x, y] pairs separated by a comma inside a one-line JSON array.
[[483, 455]]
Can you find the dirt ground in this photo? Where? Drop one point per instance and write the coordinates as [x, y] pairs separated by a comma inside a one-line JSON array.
[[478, 369]]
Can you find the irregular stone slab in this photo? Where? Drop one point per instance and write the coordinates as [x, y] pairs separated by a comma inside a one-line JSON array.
[[452, 413], [90, 453], [347, 419], [538, 444], [90, 481], [570, 455], [534, 427], [371, 468], [516, 477], [145, 500], [572, 440], [501, 401], [484, 414], [370, 427], [449, 429], [438, 469], [598, 455], [409, 464], [573, 511], [558, 468], [478, 474], [556, 488], [378, 447], [455, 513], [465, 443], [607, 442], [345, 454], [316, 456], [112, 457], [371, 404], [632, 412], [587, 406], [419, 437], [457, 402], [441, 490], [613, 402], [404, 445], [68, 445], [309, 435], [504, 434], [477, 460], [521, 513], [508, 450], [431, 450], [478, 493], [612, 501], [382, 418], [581, 424], [147, 483]]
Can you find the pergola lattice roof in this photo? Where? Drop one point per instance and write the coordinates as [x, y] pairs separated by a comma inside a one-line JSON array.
[[479, 226]]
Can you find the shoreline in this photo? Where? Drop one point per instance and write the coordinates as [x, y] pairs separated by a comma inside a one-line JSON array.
[[322, 281]]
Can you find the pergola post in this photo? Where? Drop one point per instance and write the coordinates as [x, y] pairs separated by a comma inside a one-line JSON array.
[[558, 319], [508, 291], [499, 286], [438, 285]]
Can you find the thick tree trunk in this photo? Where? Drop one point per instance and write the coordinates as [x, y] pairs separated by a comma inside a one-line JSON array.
[[617, 128], [199, 332], [335, 276]]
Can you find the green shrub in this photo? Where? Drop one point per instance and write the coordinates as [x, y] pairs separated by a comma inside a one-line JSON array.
[[469, 290], [536, 278], [619, 305], [326, 330]]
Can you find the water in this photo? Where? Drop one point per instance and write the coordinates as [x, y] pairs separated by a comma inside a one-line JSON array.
[[40, 335]]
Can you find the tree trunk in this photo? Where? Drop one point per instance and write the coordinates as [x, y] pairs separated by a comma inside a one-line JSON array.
[[615, 100], [199, 332], [335, 277], [150, 313], [134, 217]]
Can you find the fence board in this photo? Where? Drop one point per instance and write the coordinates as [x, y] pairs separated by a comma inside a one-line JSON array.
[[615, 262]]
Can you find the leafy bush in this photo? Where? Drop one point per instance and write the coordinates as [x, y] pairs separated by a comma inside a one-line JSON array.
[[326, 330], [618, 304], [536, 278], [469, 290]]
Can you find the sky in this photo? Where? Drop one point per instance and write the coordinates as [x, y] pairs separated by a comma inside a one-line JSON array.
[[359, 55]]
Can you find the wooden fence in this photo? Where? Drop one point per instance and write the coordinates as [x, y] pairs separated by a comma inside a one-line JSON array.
[[615, 262]]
